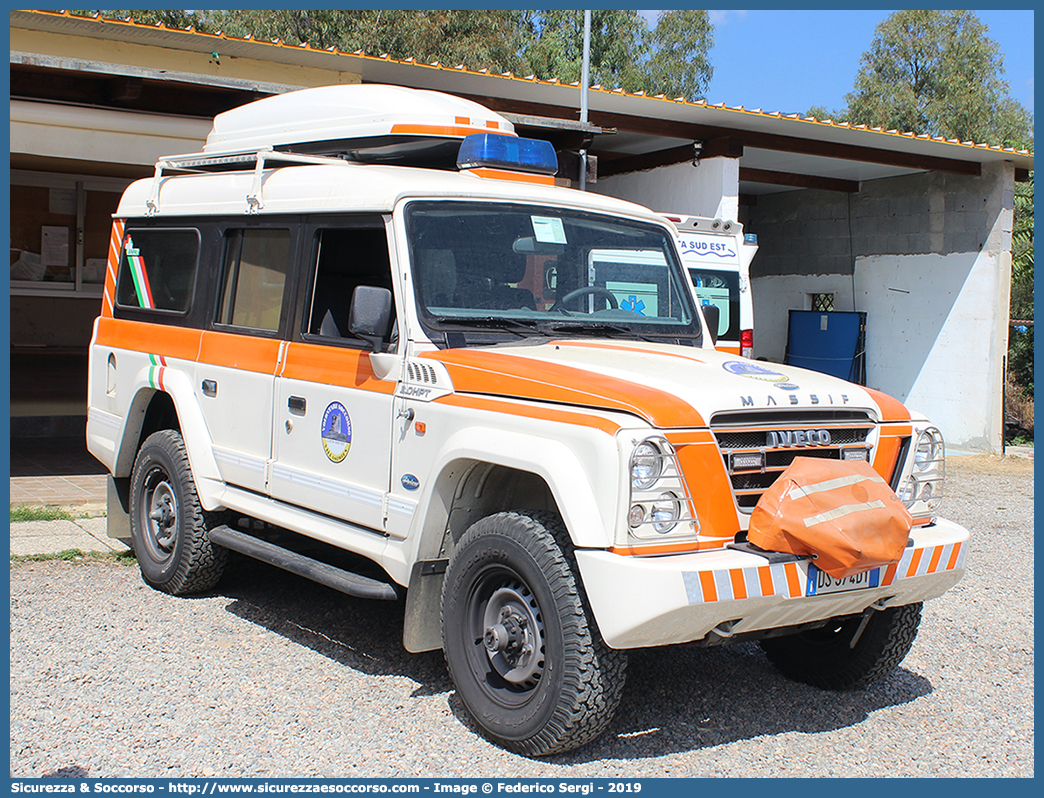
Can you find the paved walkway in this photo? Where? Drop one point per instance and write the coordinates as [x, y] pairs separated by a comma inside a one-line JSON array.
[[52, 537]]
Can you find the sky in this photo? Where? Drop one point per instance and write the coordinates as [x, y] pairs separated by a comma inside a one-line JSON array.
[[790, 61]]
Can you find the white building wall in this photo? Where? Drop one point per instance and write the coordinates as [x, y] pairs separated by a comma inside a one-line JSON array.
[[928, 258], [710, 189], [932, 332], [101, 135]]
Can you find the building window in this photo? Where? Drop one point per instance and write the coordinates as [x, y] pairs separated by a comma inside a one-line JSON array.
[[822, 303], [60, 230]]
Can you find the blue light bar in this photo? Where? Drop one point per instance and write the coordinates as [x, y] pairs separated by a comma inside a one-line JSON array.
[[507, 152]]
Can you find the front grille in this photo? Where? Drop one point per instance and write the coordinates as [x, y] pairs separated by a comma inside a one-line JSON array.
[[739, 432]]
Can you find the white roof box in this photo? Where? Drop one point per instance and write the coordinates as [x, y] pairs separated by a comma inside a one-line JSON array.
[[351, 119]]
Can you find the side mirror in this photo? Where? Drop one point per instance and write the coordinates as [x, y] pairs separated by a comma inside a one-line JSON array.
[[370, 316], [711, 316]]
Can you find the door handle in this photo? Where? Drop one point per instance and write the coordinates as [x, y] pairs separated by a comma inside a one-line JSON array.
[[297, 405], [209, 387]]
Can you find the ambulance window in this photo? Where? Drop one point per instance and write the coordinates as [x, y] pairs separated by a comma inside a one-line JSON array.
[[345, 258], [253, 278], [158, 269]]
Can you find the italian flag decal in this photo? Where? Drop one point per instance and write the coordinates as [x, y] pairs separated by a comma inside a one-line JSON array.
[[159, 365], [141, 278]]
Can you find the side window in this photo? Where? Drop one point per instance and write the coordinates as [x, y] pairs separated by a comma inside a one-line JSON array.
[[158, 269], [346, 258], [253, 278]]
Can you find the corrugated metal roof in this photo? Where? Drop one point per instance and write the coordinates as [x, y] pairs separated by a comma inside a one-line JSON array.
[[457, 79]]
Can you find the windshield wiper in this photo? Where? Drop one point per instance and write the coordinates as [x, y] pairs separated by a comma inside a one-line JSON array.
[[602, 328], [519, 327]]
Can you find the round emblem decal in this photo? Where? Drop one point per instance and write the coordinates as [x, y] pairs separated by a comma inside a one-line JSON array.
[[337, 432], [744, 368]]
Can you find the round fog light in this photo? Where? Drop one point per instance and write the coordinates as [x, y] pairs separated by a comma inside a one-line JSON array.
[[665, 513], [637, 515]]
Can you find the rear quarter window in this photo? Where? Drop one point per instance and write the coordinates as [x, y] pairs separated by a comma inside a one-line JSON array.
[[158, 269]]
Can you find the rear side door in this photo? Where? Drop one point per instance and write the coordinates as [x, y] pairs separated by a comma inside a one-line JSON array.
[[240, 354], [332, 432]]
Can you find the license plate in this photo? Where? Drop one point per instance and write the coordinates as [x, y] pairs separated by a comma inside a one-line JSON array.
[[821, 583]]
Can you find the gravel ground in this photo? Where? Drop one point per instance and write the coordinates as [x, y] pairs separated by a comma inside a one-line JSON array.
[[274, 676]]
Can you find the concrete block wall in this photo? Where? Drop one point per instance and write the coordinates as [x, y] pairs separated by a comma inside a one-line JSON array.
[[824, 232], [927, 256]]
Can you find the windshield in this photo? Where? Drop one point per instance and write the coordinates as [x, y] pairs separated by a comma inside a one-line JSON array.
[[542, 270]]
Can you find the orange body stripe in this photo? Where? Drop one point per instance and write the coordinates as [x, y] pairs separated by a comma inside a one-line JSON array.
[[485, 372], [710, 592], [739, 586], [244, 352], [889, 576], [793, 582], [933, 563], [669, 548], [914, 562], [686, 438], [545, 414], [115, 246], [328, 365], [885, 455], [765, 578], [458, 130], [711, 491], [954, 556], [891, 409], [729, 350], [505, 174], [157, 339]]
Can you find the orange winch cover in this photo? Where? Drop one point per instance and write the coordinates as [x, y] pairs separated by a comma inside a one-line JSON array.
[[839, 511]]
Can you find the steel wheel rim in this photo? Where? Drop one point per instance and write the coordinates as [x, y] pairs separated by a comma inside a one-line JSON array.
[[506, 637], [159, 516]]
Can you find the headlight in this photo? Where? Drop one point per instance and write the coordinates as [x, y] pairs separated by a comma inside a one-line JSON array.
[[922, 489], [929, 449], [659, 498], [646, 465]]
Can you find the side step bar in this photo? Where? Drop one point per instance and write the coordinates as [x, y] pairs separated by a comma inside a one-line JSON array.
[[321, 572]]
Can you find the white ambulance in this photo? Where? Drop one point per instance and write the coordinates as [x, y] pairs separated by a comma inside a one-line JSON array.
[[717, 255], [364, 319]]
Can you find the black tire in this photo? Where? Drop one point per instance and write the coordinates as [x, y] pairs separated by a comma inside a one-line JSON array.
[[527, 662], [825, 657], [168, 524]]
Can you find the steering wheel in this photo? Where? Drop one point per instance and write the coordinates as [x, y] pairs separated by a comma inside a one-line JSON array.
[[587, 290]]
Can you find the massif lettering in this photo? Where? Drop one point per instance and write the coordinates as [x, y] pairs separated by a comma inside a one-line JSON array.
[[793, 399]]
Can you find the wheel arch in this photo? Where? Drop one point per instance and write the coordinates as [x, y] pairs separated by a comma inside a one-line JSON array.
[[485, 471], [175, 408]]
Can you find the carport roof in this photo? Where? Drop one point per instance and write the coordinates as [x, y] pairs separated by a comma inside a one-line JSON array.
[[630, 131]]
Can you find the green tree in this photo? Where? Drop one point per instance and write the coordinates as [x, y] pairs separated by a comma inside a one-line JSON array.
[[172, 19], [937, 72], [477, 39], [671, 58]]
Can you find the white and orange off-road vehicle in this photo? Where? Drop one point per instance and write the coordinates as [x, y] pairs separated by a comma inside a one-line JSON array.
[[365, 317]]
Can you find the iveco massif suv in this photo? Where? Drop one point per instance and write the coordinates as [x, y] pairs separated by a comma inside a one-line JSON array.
[[366, 318]]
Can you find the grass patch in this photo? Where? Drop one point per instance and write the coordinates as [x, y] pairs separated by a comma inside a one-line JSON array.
[[31, 512], [78, 555]]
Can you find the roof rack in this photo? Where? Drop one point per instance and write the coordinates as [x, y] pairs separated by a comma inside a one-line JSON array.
[[260, 160]]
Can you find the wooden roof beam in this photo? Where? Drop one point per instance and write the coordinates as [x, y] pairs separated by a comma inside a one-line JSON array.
[[746, 138]]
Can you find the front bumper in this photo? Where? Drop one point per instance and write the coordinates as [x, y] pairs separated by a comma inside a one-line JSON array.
[[655, 601]]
